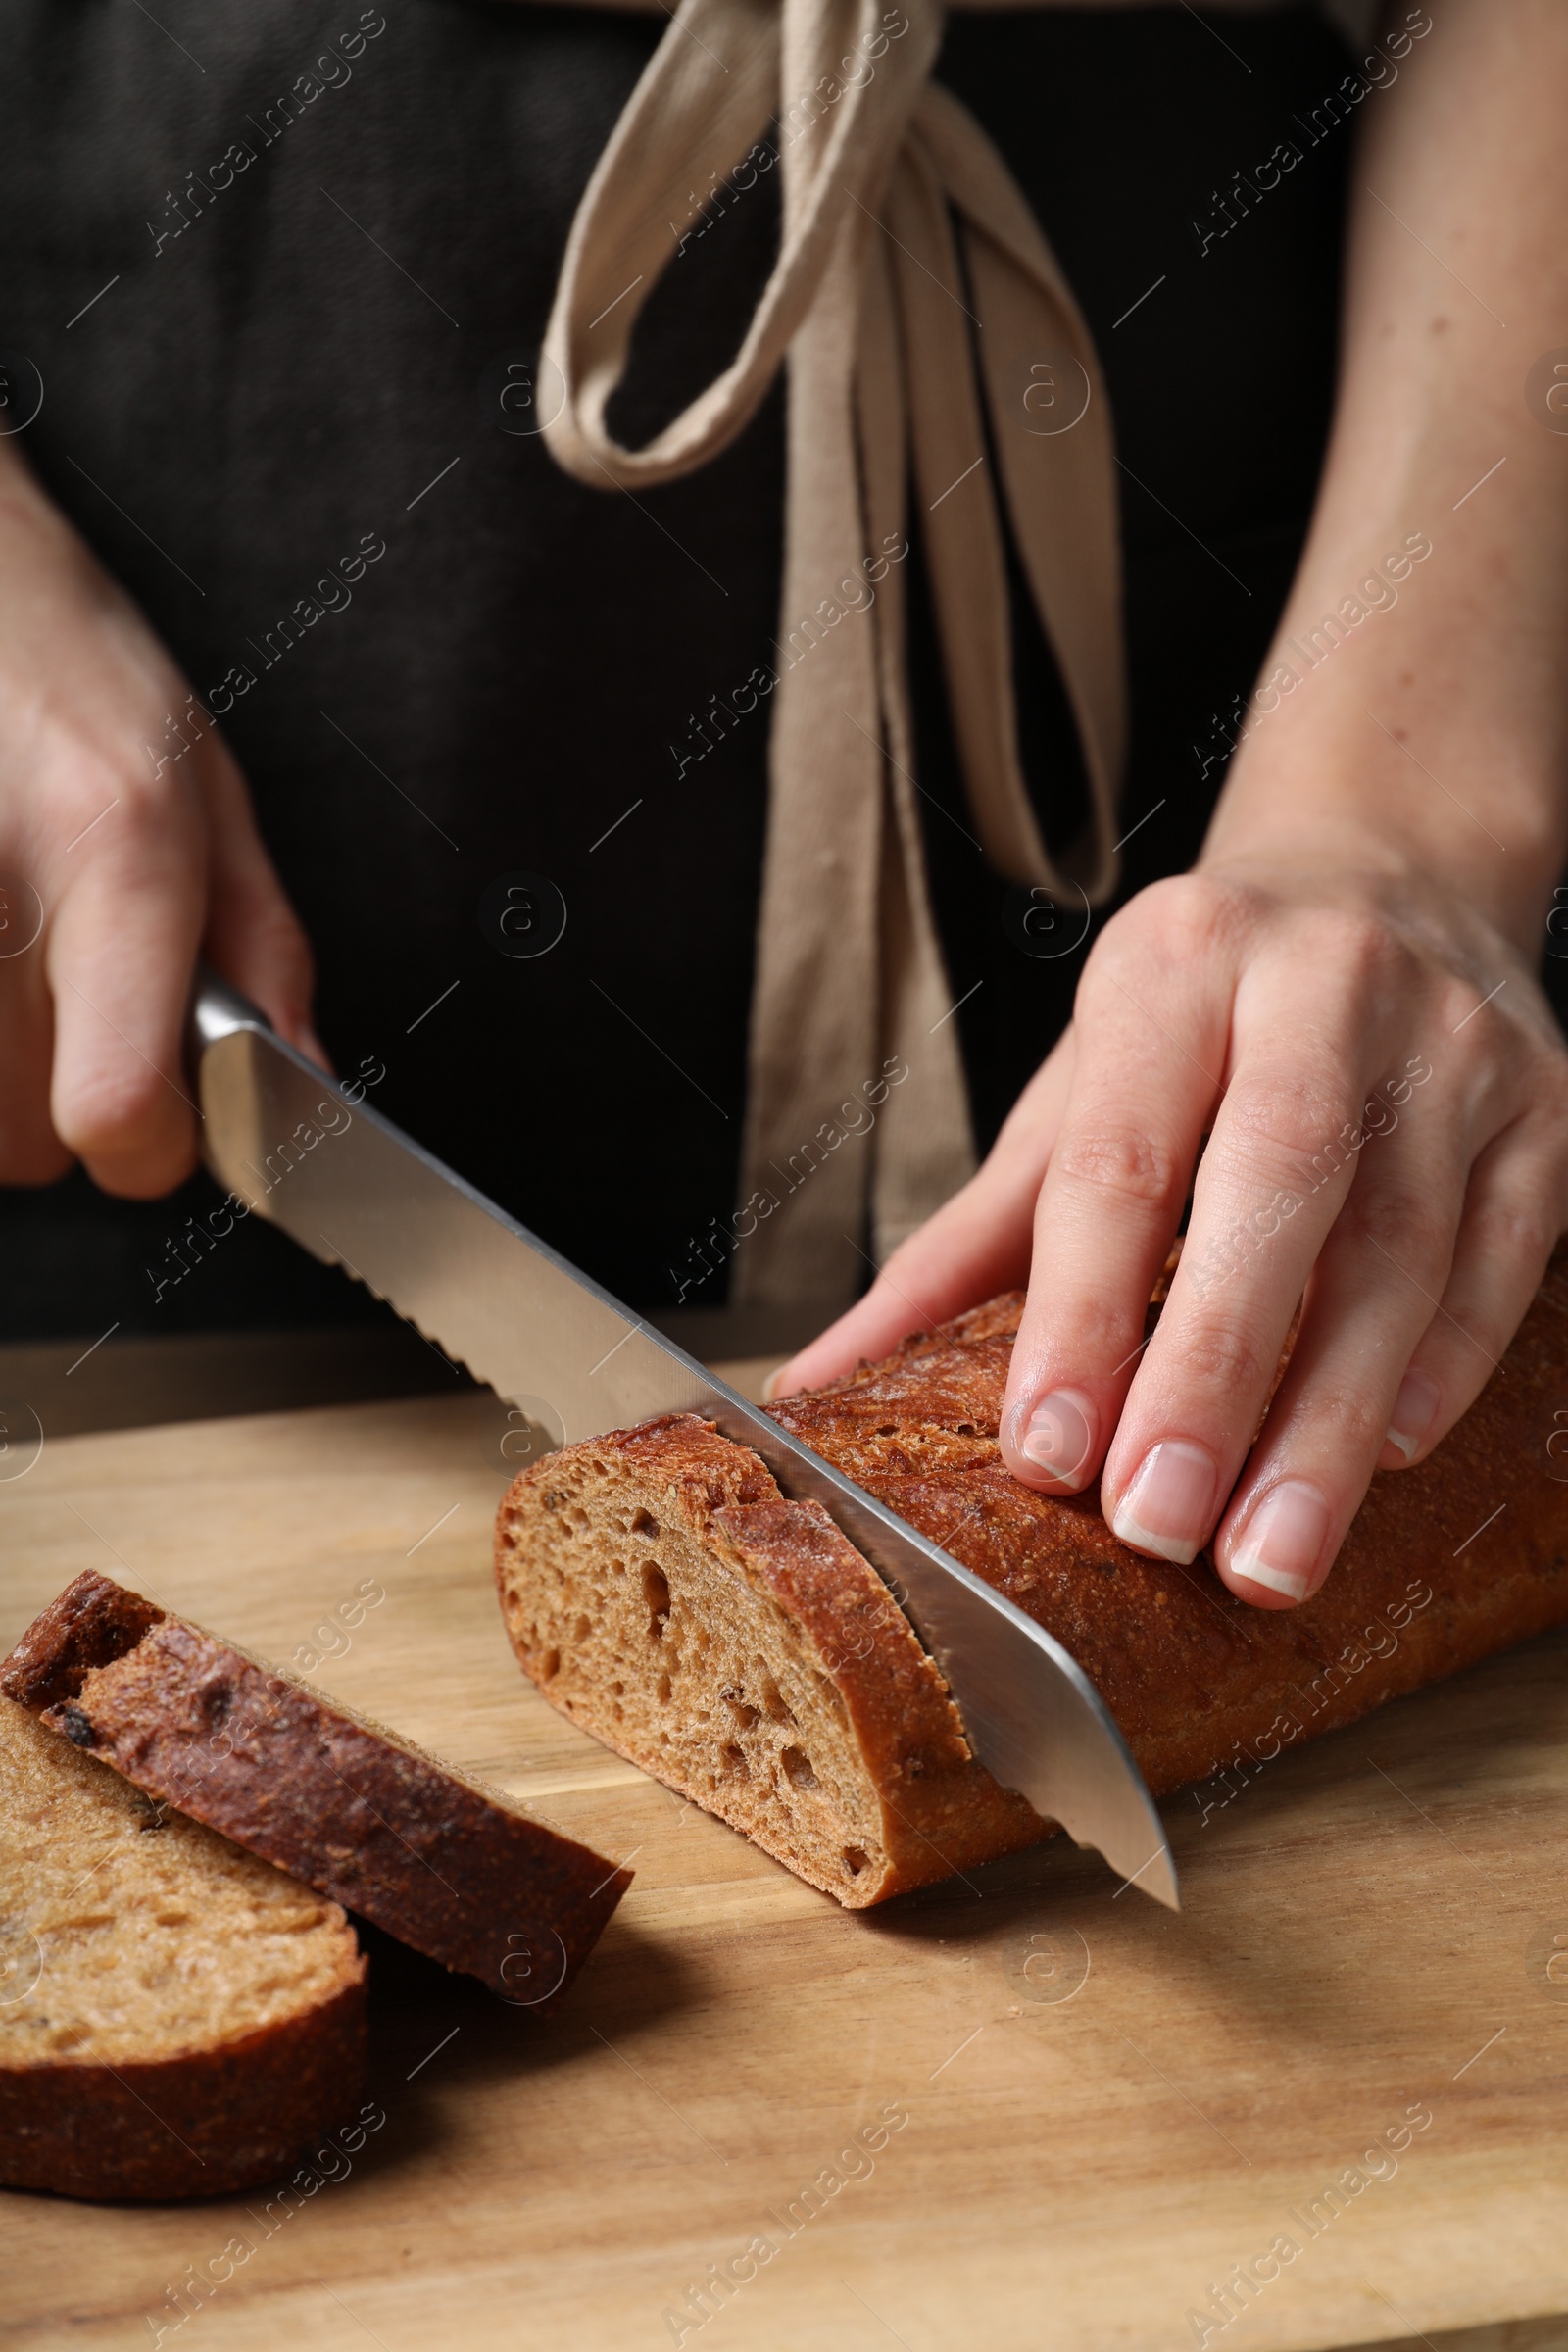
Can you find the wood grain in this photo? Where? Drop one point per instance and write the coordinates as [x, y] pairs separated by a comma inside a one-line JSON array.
[[1368, 1925]]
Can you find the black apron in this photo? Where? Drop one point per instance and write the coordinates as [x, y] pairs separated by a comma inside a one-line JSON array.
[[273, 302]]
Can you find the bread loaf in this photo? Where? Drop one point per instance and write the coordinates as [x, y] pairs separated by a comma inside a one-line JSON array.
[[176, 2017], [663, 1594], [444, 1863]]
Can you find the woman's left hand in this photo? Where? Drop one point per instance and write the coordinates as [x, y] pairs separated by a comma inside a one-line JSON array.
[[1343, 992], [1388, 1098]]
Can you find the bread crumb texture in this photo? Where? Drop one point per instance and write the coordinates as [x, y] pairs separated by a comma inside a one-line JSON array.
[[661, 1593], [147, 1935], [176, 2017]]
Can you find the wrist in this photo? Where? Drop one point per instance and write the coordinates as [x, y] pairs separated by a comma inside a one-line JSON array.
[[1348, 845], [1406, 761]]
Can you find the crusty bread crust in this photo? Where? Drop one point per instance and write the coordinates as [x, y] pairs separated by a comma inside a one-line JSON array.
[[1444, 1564], [440, 1861], [203, 2124], [1191, 1673], [940, 1809]]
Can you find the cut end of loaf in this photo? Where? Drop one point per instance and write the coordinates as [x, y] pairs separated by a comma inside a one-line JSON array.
[[663, 1595]]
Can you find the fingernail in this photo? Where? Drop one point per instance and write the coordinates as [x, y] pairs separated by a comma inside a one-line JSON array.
[[1060, 1435], [1415, 1408], [1284, 1540], [1167, 1508]]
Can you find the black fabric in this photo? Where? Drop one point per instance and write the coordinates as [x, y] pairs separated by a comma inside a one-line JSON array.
[[300, 373]]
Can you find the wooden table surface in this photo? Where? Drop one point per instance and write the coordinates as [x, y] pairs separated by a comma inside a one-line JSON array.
[[1369, 1927]]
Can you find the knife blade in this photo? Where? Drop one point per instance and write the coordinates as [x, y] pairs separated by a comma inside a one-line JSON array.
[[311, 1156]]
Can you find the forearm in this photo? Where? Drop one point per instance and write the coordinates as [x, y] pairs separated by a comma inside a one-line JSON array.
[[129, 858], [1433, 729]]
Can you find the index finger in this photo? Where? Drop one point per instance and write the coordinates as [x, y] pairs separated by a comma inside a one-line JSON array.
[[1143, 1093], [121, 948]]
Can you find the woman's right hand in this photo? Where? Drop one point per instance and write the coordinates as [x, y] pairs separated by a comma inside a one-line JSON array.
[[140, 857]]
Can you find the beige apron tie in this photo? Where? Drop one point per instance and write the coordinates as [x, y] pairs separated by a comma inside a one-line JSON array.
[[932, 344]]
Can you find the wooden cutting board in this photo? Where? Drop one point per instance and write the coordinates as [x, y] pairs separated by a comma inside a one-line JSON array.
[[1018, 2112]]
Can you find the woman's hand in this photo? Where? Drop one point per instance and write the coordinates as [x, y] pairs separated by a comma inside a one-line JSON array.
[[1342, 997], [141, 855], [1385, 1097]]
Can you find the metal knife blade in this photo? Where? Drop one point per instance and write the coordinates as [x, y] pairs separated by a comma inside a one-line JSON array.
[[311, 1156]]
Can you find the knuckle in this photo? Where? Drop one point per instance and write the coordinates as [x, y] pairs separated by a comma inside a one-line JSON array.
[[153, 818], [1223, 1355], [1402, 1220], [111, 1107], [143, 802], [1358, 1418], [1522, 1230], [103, 807], [85, 789], [1122, 1160], [1105, 1331], [1184, 919], [1288, 1128], [1355, 949]]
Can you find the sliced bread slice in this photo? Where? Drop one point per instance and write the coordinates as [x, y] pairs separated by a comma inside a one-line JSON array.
[[663, 1595], [446, 1864], [178, 2018]]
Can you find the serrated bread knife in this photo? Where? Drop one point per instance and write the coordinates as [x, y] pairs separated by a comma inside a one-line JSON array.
[[311, 1156]]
